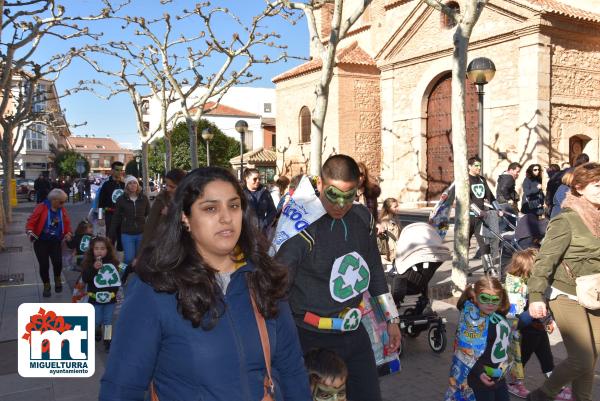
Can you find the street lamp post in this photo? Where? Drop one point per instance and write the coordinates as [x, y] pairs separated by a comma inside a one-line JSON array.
[[138, 159], [480, 71], [241, 126], [207, 135]]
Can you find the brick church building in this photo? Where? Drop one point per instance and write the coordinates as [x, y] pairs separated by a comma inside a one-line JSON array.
[[389, 100]]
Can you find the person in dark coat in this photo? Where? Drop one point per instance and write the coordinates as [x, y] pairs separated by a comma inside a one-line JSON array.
[[110, 192], [260, 201], [42, 187], [160, 206], [557, 180], [505, 190], [129, 219], [506, 194], [533, 195]]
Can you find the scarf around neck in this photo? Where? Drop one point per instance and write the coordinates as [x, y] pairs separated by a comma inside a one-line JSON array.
[[588, 212]]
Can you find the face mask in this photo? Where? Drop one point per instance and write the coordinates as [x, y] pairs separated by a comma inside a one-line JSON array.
[[326, 393], [339, 197]]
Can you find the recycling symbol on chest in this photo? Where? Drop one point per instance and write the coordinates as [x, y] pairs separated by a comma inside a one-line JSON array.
[[85, 243], [116, 195], [478, 190], [107, 276], [350, 276]]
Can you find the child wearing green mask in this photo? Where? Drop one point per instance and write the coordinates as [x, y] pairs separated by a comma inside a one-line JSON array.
[[327, 373]]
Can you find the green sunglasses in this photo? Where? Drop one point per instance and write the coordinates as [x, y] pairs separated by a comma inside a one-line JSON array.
[[489, 299], [339, 197]]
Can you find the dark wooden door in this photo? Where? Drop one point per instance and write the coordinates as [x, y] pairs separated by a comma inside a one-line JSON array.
[[576, 145], [440, 170]]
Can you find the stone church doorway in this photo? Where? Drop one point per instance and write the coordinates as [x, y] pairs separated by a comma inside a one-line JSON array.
[[440, 170], [576, 147]]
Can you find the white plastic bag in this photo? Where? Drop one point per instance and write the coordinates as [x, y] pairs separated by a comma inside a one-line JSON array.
[[302, 210]]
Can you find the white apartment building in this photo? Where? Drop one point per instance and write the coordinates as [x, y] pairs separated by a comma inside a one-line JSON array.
[[255, 105], [39, 136]]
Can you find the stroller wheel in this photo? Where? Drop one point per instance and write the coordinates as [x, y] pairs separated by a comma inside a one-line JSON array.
[[410, 331], [437, 339]]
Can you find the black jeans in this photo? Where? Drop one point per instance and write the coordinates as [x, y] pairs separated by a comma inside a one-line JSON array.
[[108, 221], [46, 251], [484, 393], [354, 347], [475, 224], [537, 341]]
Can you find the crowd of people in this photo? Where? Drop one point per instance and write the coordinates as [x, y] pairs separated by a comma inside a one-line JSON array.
[[202, 290]]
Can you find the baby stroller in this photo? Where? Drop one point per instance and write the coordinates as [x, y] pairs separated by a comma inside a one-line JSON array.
[[419, 253]]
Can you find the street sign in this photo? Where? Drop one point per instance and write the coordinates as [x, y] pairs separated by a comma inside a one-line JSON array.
[[80, 166]]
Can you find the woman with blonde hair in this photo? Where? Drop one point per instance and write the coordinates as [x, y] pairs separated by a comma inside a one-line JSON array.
[[570, 249]]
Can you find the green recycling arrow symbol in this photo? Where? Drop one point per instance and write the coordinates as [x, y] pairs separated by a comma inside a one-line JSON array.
[[350, 276]]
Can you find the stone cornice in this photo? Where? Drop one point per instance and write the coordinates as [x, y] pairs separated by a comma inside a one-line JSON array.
[[482, 43], [587, 103]]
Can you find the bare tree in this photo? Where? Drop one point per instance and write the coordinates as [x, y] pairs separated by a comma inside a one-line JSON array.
[[465, 20], [131, 78], [327, 48], [238, 54], [27, 26]]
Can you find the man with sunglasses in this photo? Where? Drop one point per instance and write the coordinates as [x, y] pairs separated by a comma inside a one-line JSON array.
[[332, 263], [480, 197], [110, 192]]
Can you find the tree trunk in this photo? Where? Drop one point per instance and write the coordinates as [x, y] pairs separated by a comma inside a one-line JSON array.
[[3, 226], [320, 110], [193, 142], [168, 154], [145, 170], [7, 166], [318, 121], [460, 262]]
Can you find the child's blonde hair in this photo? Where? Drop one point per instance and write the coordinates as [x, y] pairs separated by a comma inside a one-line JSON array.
[[486, 283], [522, 262]]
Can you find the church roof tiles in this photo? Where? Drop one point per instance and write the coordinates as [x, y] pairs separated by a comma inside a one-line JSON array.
[[353, 55], [560, 8]]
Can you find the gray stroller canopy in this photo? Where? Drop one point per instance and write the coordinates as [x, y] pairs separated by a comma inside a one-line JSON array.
[[419, 243]]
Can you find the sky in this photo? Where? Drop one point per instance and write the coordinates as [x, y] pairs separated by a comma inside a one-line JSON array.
[[115, 117]]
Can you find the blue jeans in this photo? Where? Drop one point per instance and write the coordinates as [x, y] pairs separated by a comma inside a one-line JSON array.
[[131, 246], [104, 313]]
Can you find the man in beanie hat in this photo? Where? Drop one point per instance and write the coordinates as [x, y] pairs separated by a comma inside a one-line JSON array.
[[130, 215]]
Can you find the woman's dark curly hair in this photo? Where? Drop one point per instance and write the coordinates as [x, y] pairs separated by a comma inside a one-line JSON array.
[[173, 264], [529, 173]]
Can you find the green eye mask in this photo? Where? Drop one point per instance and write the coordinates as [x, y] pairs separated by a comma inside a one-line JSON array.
[[339, 197], [326, 393], [489, 299]]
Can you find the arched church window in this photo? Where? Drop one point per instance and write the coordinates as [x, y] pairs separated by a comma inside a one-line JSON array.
[[305, 124], [447, 22]]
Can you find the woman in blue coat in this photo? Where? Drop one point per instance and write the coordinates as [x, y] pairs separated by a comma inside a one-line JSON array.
[[187, 324]]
